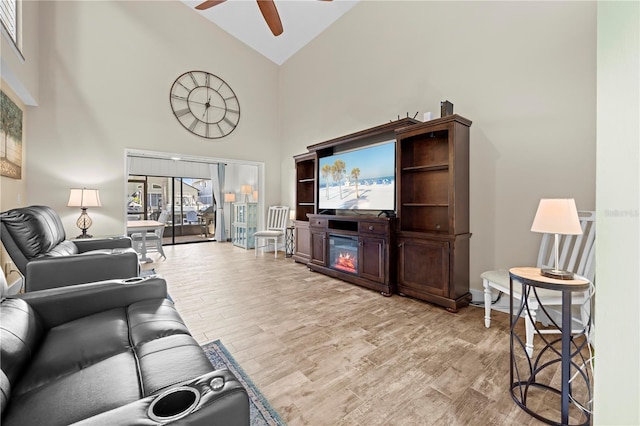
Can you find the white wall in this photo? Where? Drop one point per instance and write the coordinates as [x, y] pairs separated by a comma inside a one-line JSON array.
[[523, 72], [105, 87], [617, 365]]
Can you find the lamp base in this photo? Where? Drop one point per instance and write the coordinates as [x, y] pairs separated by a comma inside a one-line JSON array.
[[557, 274], [84, 234]]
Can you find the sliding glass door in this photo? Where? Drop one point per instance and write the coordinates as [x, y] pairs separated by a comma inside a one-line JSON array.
[[188, 201]]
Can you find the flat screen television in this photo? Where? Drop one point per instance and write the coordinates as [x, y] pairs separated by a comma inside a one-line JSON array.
[[359, 179]]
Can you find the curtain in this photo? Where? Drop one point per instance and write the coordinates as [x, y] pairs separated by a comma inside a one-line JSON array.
[[128, 166], [217, 182]]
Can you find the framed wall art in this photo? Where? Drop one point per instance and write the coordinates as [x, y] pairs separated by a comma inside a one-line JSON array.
[[10, 138]]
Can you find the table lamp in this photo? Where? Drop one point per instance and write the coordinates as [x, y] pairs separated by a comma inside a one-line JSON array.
[[84, 198], [245, 190], [557, 216]]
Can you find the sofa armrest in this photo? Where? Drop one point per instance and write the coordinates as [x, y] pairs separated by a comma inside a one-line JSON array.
[[59, 271], [222, 401], [120, 241], [63, 304]]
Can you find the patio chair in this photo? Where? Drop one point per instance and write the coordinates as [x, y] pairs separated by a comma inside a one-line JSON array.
[[577, 255], [276, 229], [192, 217]]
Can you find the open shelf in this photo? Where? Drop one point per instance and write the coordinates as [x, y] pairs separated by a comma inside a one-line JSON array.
[[425, 218], [427, 187], [428, 168], [428, 150], [423, 205], [305, 186]]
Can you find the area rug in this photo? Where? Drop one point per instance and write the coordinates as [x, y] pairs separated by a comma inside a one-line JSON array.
[[148, 273], [261, 412]]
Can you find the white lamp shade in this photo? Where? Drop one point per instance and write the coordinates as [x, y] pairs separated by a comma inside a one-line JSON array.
[[557, 216], [245, 189], [230, 197], [83, 197]]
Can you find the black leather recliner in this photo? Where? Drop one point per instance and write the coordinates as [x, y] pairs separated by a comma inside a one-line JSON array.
[[35, 239], [108, 353]]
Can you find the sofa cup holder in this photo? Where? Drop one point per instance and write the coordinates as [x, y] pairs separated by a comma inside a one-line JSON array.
[[174, 404]]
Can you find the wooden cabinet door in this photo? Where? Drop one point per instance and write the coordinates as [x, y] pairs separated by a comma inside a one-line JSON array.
[[302, 242], [371, 258], [319, 248], [423, 267]]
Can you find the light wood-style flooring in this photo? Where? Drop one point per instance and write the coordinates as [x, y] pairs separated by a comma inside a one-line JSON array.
[[326, 352]]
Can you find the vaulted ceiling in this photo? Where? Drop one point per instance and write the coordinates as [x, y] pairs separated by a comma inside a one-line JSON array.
[[302, 21]]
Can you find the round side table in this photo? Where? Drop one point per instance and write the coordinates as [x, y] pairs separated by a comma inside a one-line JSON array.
[[534, 381]]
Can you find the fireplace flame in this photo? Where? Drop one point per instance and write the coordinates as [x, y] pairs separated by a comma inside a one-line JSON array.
[[346, 262]]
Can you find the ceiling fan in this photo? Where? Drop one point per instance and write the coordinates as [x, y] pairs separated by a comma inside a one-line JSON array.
[[267, 7]]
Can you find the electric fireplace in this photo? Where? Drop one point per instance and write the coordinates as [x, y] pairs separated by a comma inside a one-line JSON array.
[[343, 253]]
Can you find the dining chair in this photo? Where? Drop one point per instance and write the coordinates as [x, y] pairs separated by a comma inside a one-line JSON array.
[[276, 229], [153, 239], [577, 255], [192, 216]]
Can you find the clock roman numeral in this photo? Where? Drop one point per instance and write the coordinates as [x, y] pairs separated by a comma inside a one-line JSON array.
[[229, 122], [182, 112], [195, 83], [182, 98], [193, 124]]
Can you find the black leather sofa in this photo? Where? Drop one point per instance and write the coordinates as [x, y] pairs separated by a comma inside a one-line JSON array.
[[108, 353], [36, 242]]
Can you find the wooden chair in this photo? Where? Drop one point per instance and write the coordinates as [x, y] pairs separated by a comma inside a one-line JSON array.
[[577, 254], [153, 239], [276, 228]]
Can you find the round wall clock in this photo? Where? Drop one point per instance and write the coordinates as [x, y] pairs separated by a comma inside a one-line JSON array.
[[204, 104]]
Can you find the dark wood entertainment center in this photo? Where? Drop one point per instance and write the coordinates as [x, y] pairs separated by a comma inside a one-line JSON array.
[[423, 252]]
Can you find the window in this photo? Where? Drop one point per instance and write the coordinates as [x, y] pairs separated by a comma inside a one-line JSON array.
[[9, 18]]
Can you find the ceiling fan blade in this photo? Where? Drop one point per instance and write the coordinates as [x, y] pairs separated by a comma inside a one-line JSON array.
[[209, 3], [270, 13]]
